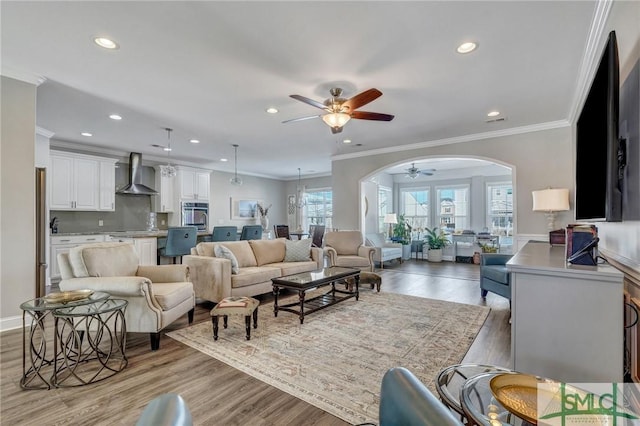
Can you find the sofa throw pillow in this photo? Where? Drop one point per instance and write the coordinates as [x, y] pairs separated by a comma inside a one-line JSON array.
[[224, 253], [297, 251]]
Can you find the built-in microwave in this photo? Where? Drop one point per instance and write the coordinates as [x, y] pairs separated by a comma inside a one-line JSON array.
[[195, 214]]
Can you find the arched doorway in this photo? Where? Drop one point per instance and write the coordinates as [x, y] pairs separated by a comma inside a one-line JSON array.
[[456, 194]]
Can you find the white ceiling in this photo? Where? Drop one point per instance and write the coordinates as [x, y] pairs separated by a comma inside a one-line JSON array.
[[210, 69]]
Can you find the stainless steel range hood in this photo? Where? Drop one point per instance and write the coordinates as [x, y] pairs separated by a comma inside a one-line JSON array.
[[135, 187]]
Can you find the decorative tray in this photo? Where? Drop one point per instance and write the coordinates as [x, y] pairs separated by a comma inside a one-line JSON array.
[[518, 393], [67, 296]]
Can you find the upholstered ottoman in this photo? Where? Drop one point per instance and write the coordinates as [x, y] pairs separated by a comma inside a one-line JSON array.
[[245, 306], [367, 278]]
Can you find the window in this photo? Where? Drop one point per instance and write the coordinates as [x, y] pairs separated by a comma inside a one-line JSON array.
[[319, 209], [500, 208], [385, 204], [452, 207], [414, 205]]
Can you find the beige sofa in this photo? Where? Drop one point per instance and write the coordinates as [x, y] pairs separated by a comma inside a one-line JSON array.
[[157, 295], [258, 262]]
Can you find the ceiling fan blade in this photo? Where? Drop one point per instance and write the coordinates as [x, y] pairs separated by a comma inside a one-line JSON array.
[[361, 99], [301, 119], [335, 130], [309, 101], [364, 115]]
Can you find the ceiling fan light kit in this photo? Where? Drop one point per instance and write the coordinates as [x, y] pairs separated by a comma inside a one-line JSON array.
[[340, 110]]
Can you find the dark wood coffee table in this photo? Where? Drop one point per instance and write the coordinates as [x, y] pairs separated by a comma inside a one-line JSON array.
[[310, 280]]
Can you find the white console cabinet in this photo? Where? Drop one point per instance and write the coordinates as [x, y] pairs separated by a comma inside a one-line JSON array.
[[567, 320]]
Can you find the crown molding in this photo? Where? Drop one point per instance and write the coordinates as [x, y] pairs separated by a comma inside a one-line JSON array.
[[44, 132], [458, 139], [591, 57], [25, 76]]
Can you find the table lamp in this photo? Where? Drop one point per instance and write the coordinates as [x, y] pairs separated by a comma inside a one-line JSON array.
[[550, 201], [391, 219]]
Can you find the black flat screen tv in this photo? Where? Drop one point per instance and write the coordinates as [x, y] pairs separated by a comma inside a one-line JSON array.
[[600, 156]]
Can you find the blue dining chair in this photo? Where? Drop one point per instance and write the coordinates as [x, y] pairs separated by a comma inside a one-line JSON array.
[[180, 240], [224, 233], [251, 232]]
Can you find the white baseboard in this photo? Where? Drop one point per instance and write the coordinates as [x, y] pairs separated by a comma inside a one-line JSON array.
[[10, 323]]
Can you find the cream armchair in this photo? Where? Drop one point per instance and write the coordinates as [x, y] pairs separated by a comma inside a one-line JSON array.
[[346, 248], [157, 295]]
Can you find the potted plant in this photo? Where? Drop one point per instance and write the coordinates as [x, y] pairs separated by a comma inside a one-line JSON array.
[[402, 235], [436, 241], [488, 248]]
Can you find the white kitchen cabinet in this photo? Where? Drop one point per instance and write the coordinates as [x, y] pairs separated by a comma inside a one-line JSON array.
[[164, 201], [567, 320], [62, 244], [107, 185], [81, 182], [194, 184], [147, 248]]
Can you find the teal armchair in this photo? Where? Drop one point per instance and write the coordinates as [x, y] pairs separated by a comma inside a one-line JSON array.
[[494, 275]]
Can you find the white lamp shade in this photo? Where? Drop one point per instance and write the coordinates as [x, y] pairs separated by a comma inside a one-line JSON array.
[[336, 119], [551, 200], [390, 218]]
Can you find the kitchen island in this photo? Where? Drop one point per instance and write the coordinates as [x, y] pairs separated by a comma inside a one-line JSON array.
[[145, 242]]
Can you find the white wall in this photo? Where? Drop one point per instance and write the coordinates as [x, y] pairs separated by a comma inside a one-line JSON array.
[[538, 159], [17, 199], [270, 191]]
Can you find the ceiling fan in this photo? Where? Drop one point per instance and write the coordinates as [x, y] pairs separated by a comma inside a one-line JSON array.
[[340, 110], [413, 172]]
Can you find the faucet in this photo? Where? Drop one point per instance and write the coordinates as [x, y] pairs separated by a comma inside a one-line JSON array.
[[54, 225]]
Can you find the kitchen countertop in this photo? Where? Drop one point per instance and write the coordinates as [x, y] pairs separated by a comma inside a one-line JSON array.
[[127, 234]]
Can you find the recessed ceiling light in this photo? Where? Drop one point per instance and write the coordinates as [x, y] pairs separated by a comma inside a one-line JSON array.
[[224, 159], [107, 43], [493, 114], [272, 110], [166, 148], [194, 141], [467, 47], [346, 141], [115, 117], [87, 134]]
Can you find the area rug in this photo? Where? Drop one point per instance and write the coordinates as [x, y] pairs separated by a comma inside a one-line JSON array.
[[337, 358]]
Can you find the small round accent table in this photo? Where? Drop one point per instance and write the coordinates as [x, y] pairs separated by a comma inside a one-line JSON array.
[[450, 381], [481, 407], [37, 364], [92, 342]]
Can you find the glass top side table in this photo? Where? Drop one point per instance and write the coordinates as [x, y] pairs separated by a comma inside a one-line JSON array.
[[481, 407], [92, 341], [36, 373], [451, 379]]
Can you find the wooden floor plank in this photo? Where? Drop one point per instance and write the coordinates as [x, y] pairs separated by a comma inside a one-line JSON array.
[[216, 393]]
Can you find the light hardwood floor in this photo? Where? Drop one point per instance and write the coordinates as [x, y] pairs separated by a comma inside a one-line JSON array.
[[216, 393]]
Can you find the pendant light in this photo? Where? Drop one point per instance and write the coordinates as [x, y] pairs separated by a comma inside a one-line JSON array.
[[168, 171], [235, 180]]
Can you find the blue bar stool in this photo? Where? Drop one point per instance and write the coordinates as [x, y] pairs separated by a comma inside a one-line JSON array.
[[224, 233], [251, 232], [180, 240]]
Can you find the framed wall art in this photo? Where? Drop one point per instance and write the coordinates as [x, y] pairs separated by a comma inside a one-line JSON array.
[[244, 209]]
